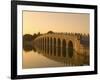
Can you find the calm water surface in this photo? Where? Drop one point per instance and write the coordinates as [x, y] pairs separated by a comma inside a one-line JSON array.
[[33, 59]]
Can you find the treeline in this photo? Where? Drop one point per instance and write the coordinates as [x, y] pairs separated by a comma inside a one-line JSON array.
[[29, 37], [28, 41]]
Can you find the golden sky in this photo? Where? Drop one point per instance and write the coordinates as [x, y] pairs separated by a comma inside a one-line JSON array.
[[34, 22]]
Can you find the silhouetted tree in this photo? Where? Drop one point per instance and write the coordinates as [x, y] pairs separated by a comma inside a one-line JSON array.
[[50, 32], [34, 36], [38, 34], [27, 37]]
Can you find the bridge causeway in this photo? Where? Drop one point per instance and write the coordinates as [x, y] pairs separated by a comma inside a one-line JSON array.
[[70, 46]]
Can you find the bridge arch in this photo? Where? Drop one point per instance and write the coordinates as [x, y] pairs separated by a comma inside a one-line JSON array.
[[51, 45], [47, 44], [70, 49], [59, 47], [54, 46], [40, 44], [43, 44], [64, 48]]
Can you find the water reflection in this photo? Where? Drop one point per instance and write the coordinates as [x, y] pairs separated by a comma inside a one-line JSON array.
[[29, 48], [52, 55]]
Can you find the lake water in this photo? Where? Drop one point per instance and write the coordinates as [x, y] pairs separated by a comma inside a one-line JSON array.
[[34, 57]]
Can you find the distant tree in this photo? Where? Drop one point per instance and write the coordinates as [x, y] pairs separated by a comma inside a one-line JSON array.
[[27, 37], [34, 35], [38, 34], [50, 32]]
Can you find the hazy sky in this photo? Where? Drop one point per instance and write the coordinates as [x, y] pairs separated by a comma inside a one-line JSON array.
[[34, 22]]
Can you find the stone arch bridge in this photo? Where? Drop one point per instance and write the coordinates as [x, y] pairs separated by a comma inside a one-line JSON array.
[[73, 47]]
